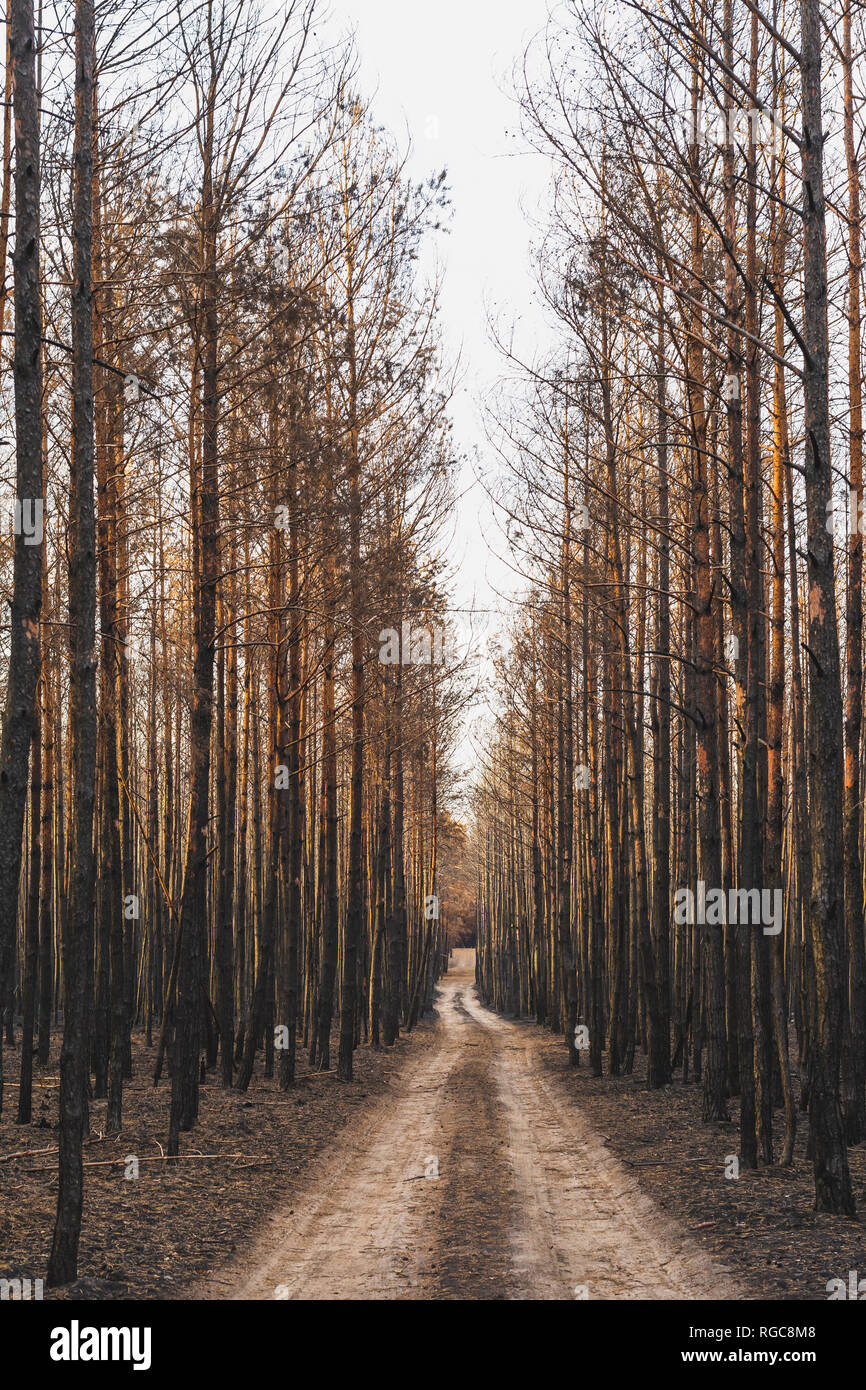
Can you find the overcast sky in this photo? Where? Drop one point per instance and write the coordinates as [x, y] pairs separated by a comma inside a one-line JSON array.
[[440, 75]]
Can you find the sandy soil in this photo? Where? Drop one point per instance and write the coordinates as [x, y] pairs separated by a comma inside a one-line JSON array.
[[178, 1222], [477, 1177]]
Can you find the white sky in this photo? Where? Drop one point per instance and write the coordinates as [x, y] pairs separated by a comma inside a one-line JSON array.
[[439, 74]]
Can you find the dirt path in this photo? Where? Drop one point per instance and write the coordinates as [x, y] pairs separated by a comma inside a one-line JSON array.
[[528, 1203]]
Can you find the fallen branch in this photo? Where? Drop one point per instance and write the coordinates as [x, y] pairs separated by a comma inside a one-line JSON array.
[[27, 1153], [147, 1158]]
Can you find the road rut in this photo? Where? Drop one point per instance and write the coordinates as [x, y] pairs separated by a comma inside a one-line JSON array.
[[477, 1178]]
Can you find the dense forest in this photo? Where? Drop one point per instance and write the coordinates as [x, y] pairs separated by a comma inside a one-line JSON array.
[[230, 707], [270, 821], [670, 820]]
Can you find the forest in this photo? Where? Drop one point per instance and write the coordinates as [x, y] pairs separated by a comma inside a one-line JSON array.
[[680, 705], [221, 798], [243, 848]]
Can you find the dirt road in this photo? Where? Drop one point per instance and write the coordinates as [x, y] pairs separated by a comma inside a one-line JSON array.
[[477, 1178]]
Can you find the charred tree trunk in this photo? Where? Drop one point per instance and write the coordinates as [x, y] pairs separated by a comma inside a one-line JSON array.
[[78, 947]]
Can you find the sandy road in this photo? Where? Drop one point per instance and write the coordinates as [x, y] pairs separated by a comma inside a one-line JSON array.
[[527, 1204]]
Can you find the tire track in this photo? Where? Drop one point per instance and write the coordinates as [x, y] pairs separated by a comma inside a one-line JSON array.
[[528, 1202]]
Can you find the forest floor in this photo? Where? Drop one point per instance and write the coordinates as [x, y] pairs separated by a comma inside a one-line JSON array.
[[761, 1225], [151, 1236], [469, 1162]]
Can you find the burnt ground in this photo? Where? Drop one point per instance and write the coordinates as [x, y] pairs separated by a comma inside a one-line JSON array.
[[470, 1162], [761, 1225], [149, 1237]]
